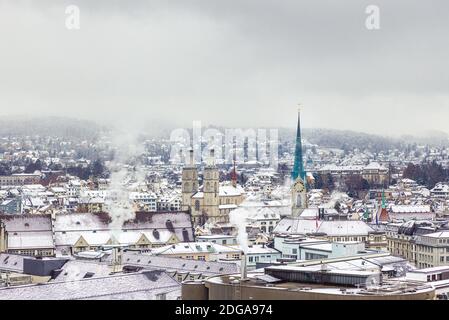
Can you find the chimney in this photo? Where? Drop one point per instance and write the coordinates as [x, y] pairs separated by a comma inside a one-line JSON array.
[[243, 274]]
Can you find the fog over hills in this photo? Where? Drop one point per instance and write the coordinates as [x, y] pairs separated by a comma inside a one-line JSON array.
[[85, 129]]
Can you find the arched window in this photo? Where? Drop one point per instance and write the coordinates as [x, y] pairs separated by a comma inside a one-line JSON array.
[[197, 205], [298, 200]]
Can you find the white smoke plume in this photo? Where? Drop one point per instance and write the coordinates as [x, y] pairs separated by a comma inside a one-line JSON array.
[[238, 218], [282, 192], [124, 168], [334, 198]]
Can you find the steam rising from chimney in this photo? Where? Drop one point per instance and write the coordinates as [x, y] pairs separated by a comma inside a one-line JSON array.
[[238, 218], [124, 167]]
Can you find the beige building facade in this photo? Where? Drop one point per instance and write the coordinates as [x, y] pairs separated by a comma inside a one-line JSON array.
[[212, 202]]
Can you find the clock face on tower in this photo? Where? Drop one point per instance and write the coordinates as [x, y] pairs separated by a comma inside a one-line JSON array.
[[298, 186]]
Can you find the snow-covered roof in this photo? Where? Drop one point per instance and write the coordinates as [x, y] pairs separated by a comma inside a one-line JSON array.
[[440, 234], [194, 247], [179, 264], [134, 286], [78, 269], [229, 190], [259, 249], [410, 208], [331, 228], [11, 262], [26, 223], [30, 240]]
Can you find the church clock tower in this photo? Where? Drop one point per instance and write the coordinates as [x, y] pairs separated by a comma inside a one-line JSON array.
[[299, 197], [298, 188]]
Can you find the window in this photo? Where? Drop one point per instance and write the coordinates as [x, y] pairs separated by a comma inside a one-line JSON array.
[[250, 259], [197, 205], [161, 296], [295, 251]]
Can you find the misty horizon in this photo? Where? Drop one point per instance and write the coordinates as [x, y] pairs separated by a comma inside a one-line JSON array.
[[158, 64]]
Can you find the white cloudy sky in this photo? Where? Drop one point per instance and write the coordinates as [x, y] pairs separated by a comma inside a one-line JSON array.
[[229, 62]]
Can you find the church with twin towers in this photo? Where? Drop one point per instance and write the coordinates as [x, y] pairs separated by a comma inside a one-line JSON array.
[[212, 201]]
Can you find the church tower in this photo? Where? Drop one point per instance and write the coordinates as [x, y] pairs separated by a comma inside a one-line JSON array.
[[189, 182], [298, 189], [210, 189], [383, 215]]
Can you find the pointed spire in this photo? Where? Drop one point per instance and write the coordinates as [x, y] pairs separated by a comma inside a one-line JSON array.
[[298, 166], [384, 216], [366, 214]]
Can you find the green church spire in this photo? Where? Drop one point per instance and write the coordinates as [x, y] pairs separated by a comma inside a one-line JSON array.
[[298, 166], [366, 214]]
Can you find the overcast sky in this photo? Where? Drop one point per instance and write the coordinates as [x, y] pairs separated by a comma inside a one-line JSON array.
[[241, 63]]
